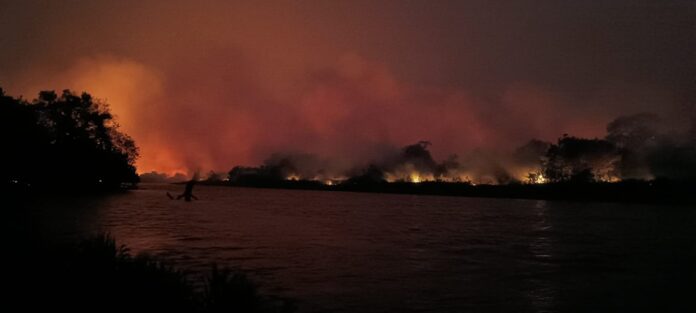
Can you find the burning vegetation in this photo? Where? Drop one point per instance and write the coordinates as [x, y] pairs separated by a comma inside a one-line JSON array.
[[633, 149]]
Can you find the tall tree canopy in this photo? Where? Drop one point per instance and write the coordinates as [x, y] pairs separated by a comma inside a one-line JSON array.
[[63, 141]]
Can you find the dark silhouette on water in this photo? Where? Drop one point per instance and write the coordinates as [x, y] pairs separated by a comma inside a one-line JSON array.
[[188, 191]]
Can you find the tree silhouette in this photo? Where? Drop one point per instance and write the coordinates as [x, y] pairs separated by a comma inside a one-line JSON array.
[[580, 160], [66, 141]]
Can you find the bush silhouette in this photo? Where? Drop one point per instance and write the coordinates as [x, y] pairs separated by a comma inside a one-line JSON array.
[[98, 275]]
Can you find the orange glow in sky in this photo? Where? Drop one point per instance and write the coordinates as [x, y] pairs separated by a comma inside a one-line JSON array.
[[215, 84]]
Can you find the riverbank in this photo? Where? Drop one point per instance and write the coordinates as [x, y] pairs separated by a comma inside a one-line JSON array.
[[655, 192]]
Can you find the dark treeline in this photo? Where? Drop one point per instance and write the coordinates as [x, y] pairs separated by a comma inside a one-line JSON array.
[[660, 191], [66, 142]]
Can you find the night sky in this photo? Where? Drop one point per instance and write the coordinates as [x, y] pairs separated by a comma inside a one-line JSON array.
[[213, 84]]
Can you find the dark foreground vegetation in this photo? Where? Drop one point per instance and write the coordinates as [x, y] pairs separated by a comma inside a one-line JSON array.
[[98, 275]]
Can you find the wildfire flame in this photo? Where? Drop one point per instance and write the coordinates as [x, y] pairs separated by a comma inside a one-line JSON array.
[[536, 178], [415, 178]]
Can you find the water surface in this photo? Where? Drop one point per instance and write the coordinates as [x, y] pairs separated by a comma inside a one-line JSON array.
[[361, 252]]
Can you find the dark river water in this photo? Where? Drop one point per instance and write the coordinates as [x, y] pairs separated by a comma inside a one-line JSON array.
[[360, 252]]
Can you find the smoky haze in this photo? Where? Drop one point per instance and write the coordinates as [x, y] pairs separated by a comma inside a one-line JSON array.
[[638, 147], [211, 84]]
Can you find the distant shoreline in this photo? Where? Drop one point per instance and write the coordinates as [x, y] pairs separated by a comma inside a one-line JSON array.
[[653, 192]]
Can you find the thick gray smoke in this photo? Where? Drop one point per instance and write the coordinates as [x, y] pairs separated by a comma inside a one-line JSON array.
[[649, 149]]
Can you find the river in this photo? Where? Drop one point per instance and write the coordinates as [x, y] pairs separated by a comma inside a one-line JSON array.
[[361, 252]]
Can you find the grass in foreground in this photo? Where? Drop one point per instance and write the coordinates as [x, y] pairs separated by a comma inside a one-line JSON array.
[[99, 275]]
